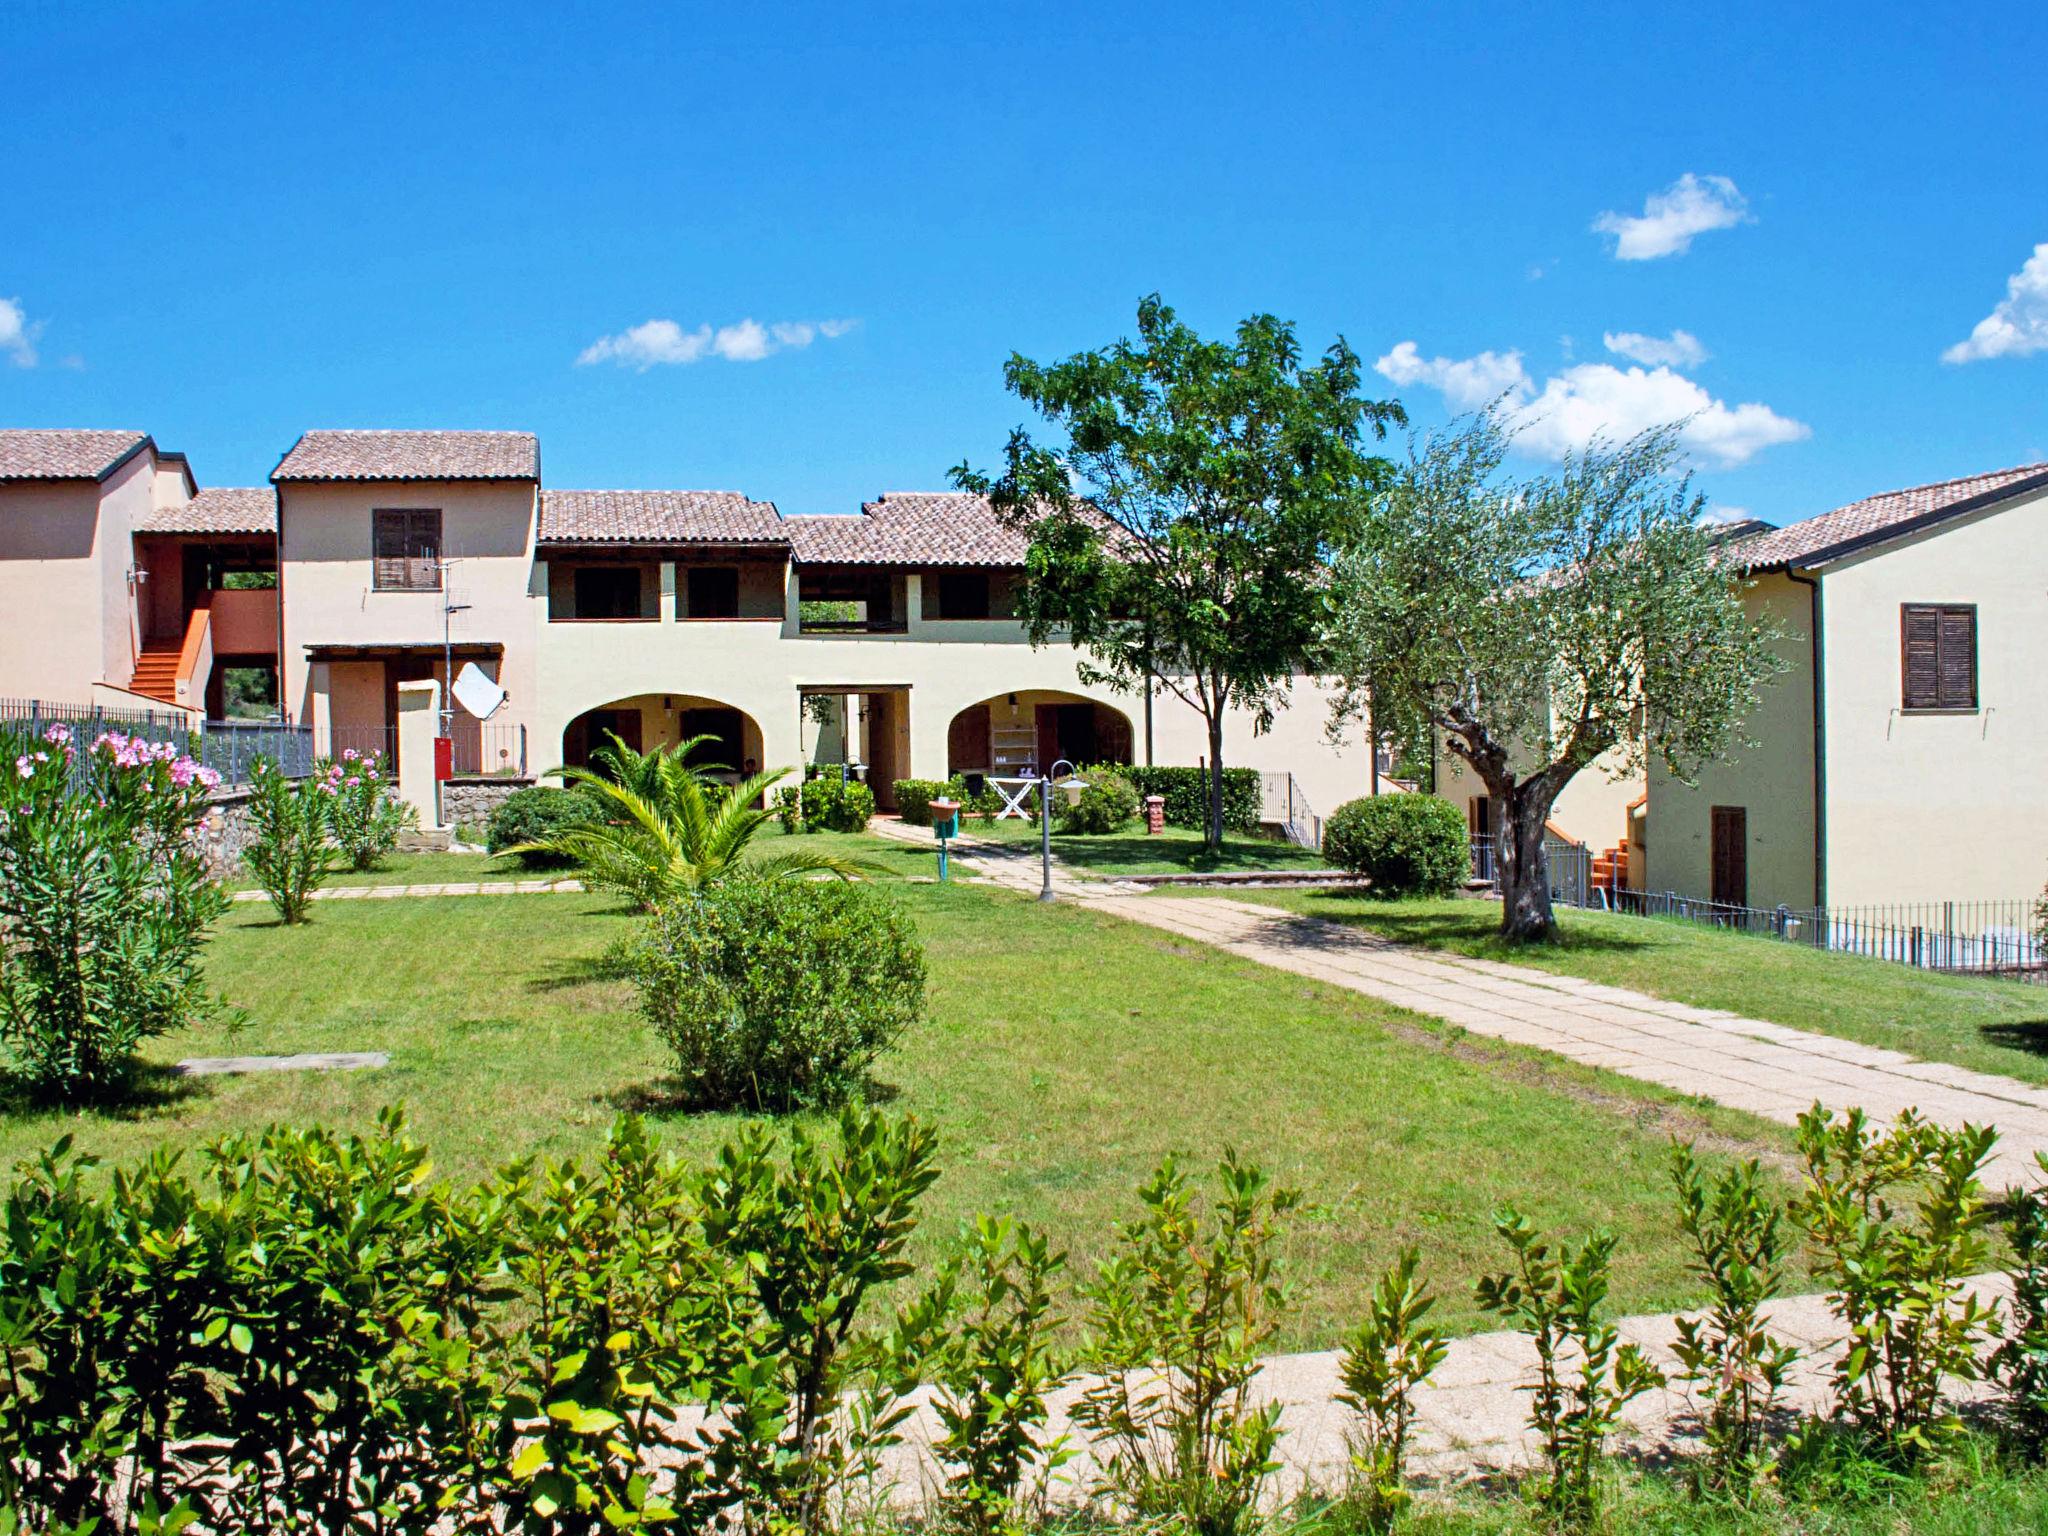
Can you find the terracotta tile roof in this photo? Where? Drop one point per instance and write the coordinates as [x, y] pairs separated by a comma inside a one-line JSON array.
[[1816, 540], [27, 454], [658, 517], [218, 509], [910, 528], [411, 456]]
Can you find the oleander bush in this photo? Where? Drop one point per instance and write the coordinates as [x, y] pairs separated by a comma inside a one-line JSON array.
[[287, 853], [914, 799], [779, 994], [1407, 845], [530, 816], [105, 898], [364, 813]]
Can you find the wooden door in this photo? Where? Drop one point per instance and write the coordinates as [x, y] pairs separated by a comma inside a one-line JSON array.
[[969, 747], [1047, 719], [1731, 855]]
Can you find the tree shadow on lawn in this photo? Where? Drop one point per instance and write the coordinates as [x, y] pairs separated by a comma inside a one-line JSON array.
[[670, 1097], [1447, 930], [152, 1087], [2029, 1035]]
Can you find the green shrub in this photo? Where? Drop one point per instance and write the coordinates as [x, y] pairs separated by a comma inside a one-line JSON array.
[[1104, 806], [777, 995], [1186, 792], [2021, 1363], [536, 813], [789, 807], [1189, 1304], [830, 806], [1407, 845], [1584, 1375], [287, 854], [1386, 1358], [105, 897], [1897, 1215], [364, 813]]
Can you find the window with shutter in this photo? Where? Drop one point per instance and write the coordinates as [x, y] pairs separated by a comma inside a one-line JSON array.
[[406, 549], [1938, 644]]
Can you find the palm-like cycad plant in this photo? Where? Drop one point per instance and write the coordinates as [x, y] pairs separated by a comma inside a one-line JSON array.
[[673, 830]]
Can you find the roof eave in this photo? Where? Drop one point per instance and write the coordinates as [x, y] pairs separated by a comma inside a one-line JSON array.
[[1834, 554]]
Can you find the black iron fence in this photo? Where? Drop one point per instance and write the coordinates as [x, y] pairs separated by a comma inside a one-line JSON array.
[[1982, 937], [230, 747], [480, 749]]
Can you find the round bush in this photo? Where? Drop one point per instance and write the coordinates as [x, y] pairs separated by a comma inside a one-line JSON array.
[[779, 994], [830, 806], [1104, 806], [1407, 845], [527, 815]]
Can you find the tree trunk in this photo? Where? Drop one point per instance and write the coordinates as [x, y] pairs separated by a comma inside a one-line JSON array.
[[1215, 838], [1523, 866]]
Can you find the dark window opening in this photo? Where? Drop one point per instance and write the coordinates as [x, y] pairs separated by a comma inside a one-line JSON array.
[[963, 595], [607, 592], [727, 748], [713, 592], [406, 550], [1938, 642]]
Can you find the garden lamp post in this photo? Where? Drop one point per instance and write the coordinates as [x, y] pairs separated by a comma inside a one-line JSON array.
[[1045, 818]]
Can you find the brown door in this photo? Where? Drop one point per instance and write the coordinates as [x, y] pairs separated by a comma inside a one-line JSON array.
[[1047, 719], [1731, 855], [968, 748]]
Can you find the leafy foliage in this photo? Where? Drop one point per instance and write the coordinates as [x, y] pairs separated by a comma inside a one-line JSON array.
[[1105, 804], [1181, 516], [914, 799], [1177, 1319], [529, 817], [983, 1333], [1896, 1274], [777, 994], [1407, 845], [1530, 621], [1186, 793], [676, 834], [1584, 1375], [830, 806], [364, 813], [2021, 1363], [1739, 1243], [287, 853], [105, 897], [1386, 1357]]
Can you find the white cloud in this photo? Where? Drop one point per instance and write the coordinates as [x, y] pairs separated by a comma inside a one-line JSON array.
[[18, 334], [1691, 205], [655, 342], [1466, 383], [1713, 517], [1681, 349], [2019, 324], [1589, 400]]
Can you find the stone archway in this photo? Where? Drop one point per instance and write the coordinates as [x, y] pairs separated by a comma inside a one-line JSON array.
[[1031, 728], [645, 721]]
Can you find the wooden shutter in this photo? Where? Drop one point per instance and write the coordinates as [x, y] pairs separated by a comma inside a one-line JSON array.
[[388, 554], [1958, 665], [1730, 871], [406, 549], [1938, 644]]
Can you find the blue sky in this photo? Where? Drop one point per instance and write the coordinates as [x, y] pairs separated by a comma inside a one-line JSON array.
[[227, 224]]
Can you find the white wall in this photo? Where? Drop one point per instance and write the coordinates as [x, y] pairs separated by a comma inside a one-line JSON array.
[[1939, 806]]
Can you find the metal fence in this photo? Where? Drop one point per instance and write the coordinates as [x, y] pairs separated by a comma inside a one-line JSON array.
[[481, 748], [1981, 937], [229, 747]]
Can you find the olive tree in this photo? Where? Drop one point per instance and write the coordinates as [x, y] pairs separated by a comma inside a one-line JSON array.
[[1542, 624], [1182, 521]]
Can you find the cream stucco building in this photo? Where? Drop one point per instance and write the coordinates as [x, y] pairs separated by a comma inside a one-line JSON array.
[[1902, 754], [373, 559]]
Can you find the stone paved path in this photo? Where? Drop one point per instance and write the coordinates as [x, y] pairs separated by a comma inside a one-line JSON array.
[[1767, 1069], [317, 1061], [439, 888]]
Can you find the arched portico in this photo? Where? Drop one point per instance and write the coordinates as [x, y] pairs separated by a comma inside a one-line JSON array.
[[1031, 728], [645, 721]]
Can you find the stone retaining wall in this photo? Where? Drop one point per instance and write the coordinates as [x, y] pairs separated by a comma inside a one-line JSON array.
[[226, 832], [469, 802]]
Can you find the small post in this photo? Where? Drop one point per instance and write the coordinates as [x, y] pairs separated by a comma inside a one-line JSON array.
[[945, 825], [1045, 833], [1155, 815]]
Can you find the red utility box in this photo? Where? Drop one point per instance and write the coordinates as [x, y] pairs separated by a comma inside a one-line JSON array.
[[444, 759]]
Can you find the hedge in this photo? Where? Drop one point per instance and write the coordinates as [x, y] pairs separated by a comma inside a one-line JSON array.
[[1186, 791]]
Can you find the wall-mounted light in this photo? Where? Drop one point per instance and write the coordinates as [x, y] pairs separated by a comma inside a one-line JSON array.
[[1013, 701]]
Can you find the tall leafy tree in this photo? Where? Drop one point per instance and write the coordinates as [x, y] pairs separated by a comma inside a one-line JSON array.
[[1184, 509], [1542, 624]]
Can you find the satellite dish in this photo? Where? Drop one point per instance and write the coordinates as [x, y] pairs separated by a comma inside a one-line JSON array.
[[475, 691]]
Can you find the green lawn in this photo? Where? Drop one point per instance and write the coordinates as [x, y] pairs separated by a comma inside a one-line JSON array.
[[1064, 1053], [1176, 851], [1980, 1022]]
